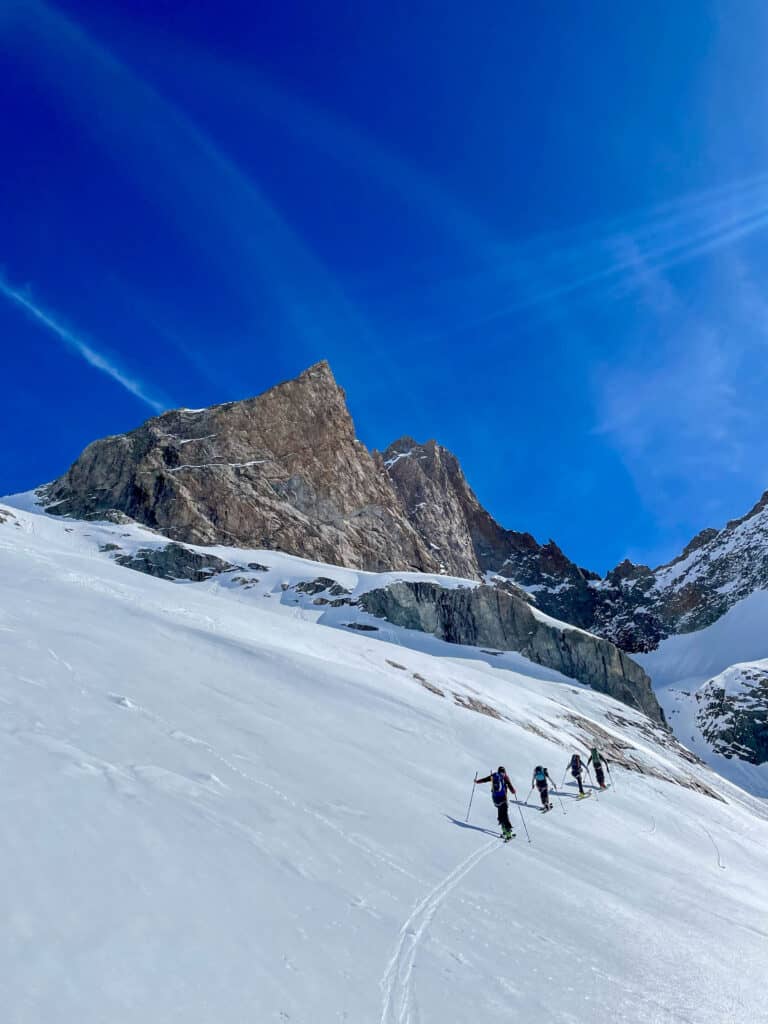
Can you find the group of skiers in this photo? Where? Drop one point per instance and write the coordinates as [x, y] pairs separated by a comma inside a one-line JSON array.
[[542, 781]]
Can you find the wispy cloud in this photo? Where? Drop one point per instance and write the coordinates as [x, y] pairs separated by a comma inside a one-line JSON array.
[[82, 348], [254, 253], [597, 260], [679, 410]]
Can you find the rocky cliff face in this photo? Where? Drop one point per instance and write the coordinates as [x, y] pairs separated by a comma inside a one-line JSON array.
[[283, 470], [439, 503], [470, 543], [489, 617], [633, 605]]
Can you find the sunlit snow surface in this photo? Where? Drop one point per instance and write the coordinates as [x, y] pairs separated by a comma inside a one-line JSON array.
[[218, 810]]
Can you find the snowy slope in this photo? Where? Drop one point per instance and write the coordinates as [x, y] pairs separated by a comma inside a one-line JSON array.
[[215, 808], [682, 665]]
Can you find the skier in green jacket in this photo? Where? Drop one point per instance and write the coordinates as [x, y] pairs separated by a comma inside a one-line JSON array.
[[597, 760]]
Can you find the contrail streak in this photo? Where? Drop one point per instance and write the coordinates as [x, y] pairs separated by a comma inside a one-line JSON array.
[[82, 348]]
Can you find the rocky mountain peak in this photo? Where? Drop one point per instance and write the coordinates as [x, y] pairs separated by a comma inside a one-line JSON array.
[[437, 500], [280, 470], [627, 570]]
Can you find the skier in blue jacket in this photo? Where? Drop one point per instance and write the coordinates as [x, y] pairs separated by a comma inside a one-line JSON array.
[[542, 781], [500, 786]]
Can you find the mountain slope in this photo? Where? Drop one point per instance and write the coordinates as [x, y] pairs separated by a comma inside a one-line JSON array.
[[633, 605], [690, 670], [717, 569], [284, 471], [215, 808], [638, 608]]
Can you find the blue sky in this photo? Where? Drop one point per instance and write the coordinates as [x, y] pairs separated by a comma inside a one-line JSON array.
[[535, 232]]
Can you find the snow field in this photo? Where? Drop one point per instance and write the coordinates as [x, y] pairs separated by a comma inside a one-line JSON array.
[[217, 808]]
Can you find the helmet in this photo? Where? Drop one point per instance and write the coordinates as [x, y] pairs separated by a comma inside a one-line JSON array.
[[538, 768], [502, 769]]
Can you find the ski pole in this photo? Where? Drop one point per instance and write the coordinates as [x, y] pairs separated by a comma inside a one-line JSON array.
[[519, 807], [560, 799], [564, 774], [610, 776], [589, 773], [471, 798]]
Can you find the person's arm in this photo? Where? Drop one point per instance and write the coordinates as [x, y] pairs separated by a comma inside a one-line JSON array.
[[510, 787], [486, 779]]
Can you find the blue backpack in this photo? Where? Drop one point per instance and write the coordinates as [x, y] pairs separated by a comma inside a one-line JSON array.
[[498, 787]]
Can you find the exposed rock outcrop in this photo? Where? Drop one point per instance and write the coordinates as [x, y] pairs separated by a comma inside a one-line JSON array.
[[283, 470], [173, 562], [733, 712], [488, 617]]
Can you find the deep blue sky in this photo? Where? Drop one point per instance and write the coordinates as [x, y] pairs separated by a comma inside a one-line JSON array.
[[533, 231]]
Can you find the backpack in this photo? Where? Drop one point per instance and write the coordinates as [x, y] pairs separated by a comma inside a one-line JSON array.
[[540, 774], [575, 764], [596, 759], [498, 787]]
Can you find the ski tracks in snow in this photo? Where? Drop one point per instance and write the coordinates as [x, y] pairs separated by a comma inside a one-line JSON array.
[[397, 983], [180, 736]]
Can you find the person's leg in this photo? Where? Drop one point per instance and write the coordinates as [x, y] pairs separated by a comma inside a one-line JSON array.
[[581, 787], [506, 825], [600, 775]]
